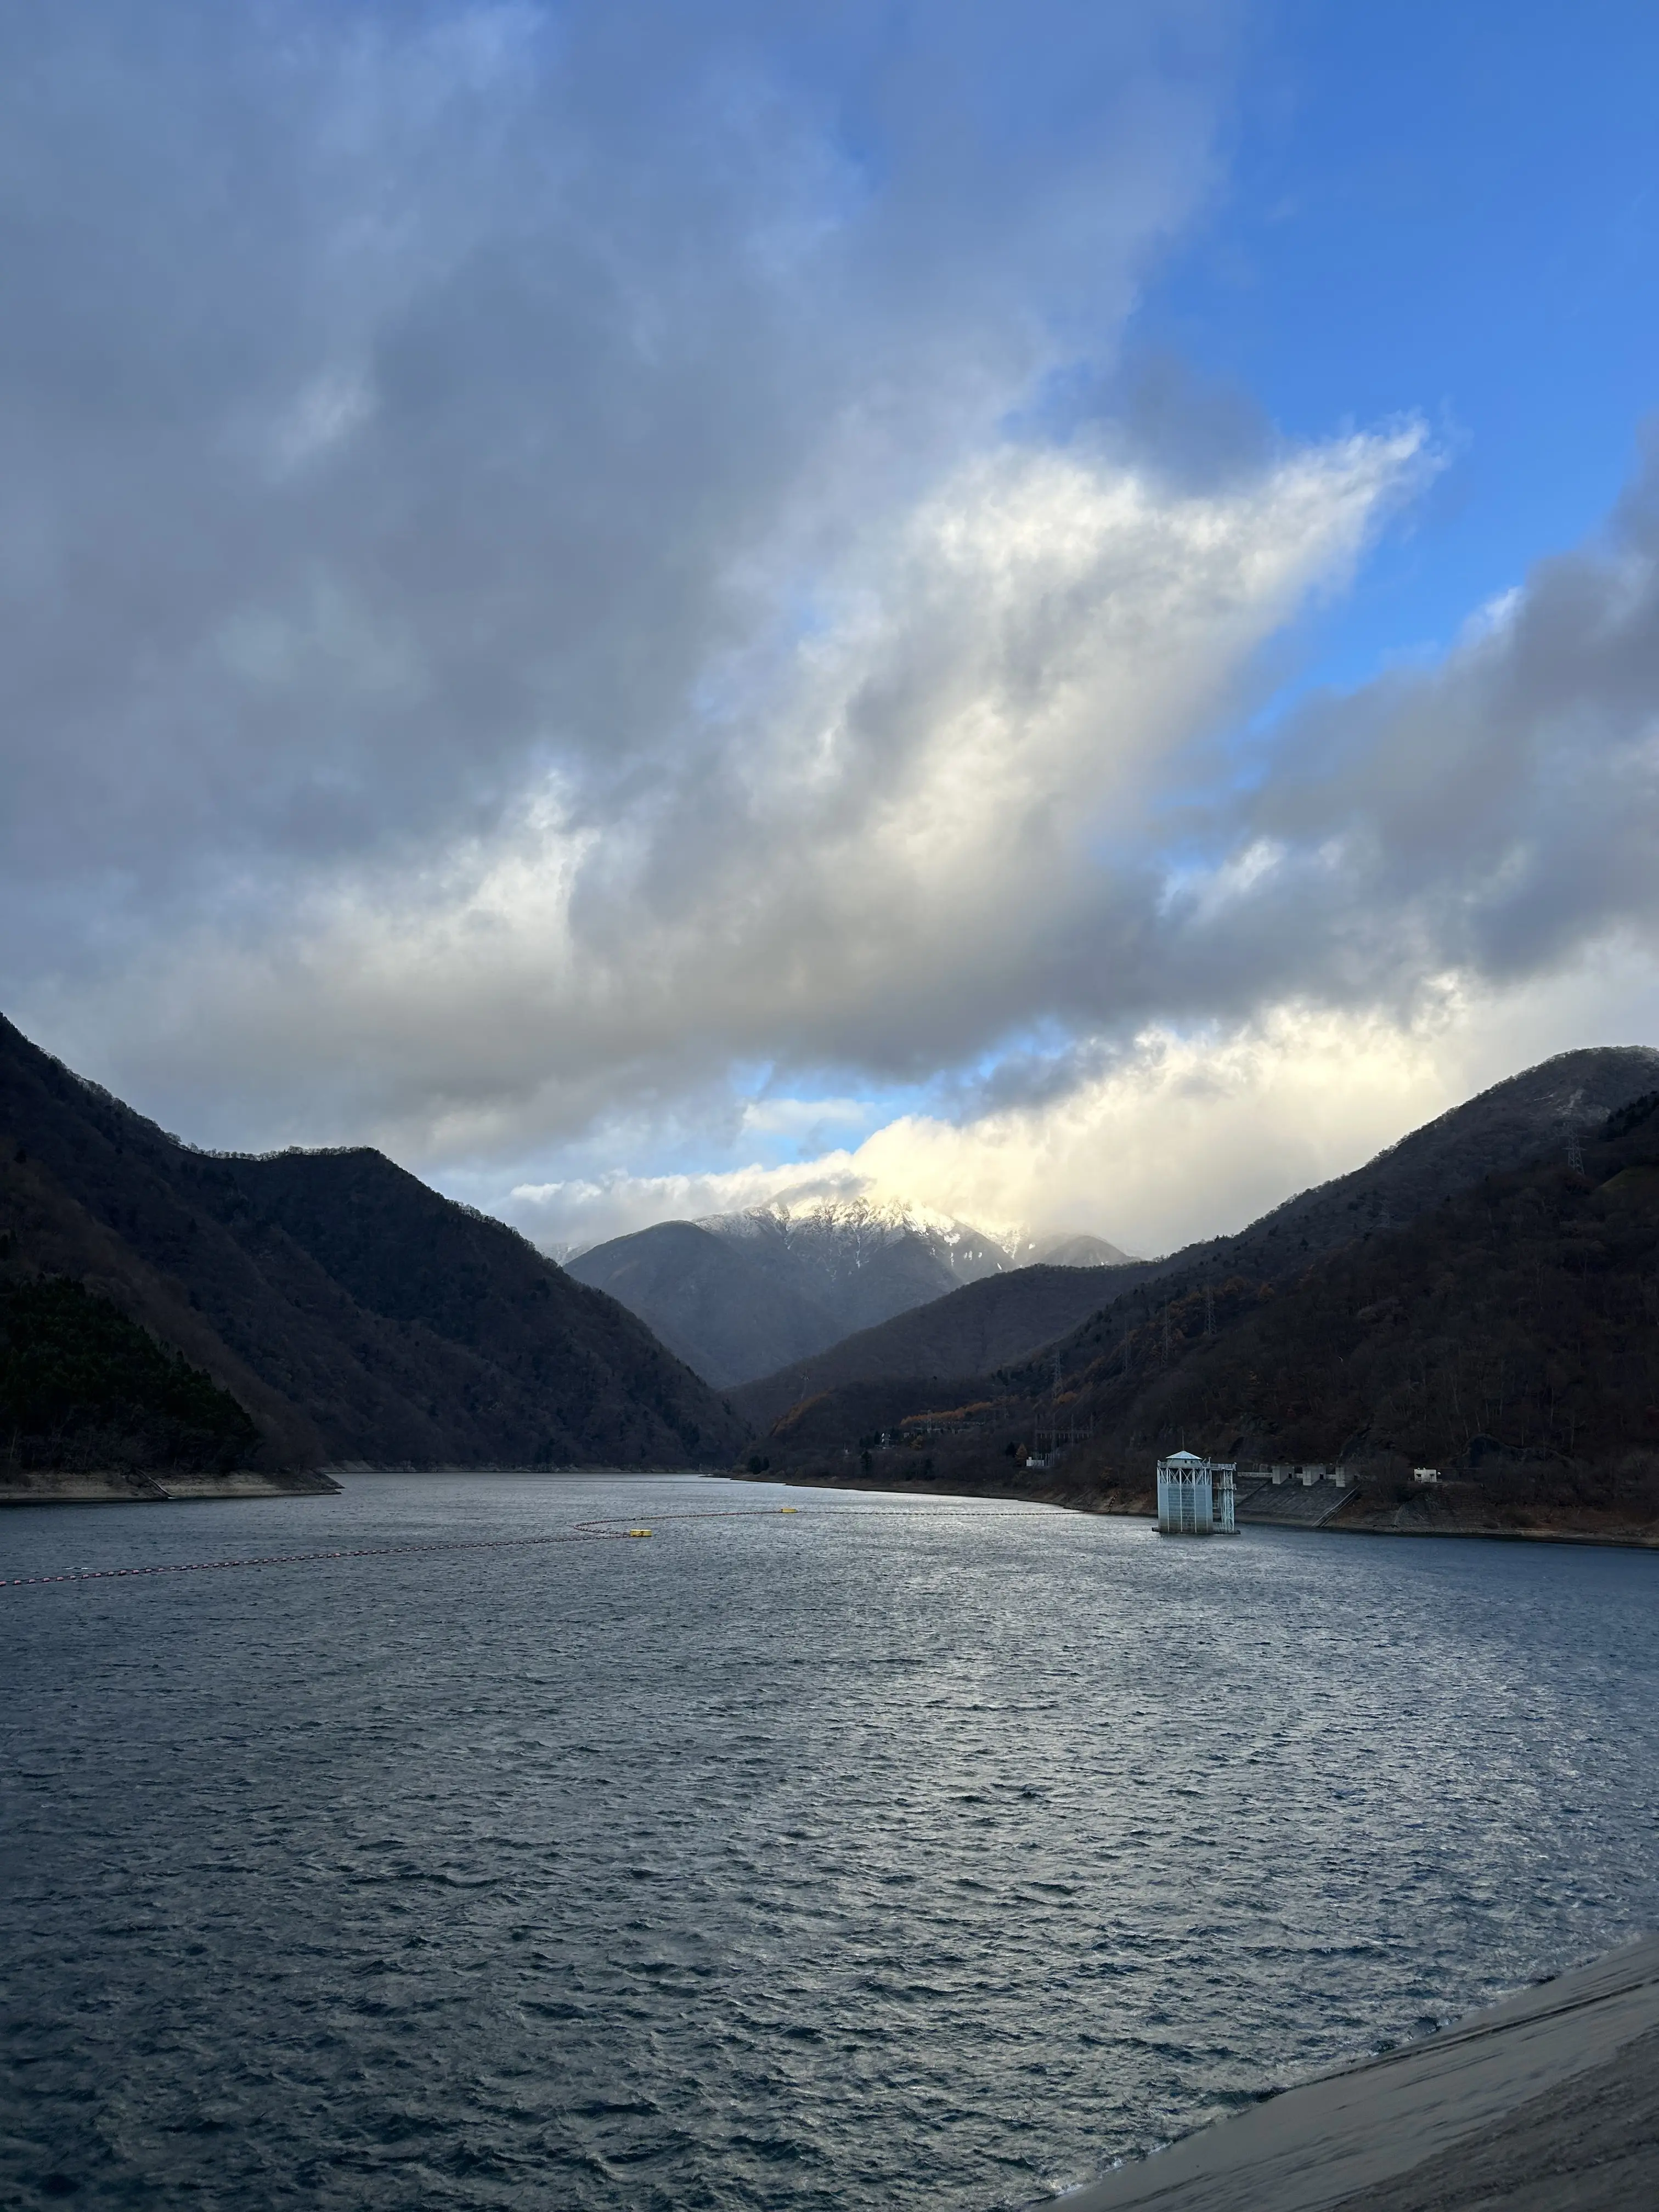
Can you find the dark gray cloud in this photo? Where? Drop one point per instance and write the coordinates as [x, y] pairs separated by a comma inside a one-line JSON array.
[[394, 400], [416, 419]]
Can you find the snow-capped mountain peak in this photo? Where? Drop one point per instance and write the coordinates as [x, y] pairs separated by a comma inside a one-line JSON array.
[[841, 1236]]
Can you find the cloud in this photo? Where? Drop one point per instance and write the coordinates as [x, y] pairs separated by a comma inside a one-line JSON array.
[[1180, 1137], [1492, 816], [932, 825], [1434, 879], [397, 400], [576, 579], [1166, 1139], [453, 456]]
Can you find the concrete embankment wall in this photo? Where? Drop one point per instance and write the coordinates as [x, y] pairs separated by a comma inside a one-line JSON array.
[[51, 1487], [1548, 2102]]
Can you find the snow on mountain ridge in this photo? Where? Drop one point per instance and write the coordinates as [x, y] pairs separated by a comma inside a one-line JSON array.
[[840, 1234], [844, 1235]]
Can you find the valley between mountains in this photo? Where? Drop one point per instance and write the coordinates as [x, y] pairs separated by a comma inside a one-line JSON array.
[[1483, 1298], [739, 1295]]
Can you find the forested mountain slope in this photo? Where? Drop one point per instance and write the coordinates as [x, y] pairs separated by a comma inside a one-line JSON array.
[[1508, 1335], [740, 1295], [982, 1326], [82, 1388], [1512, 1328], [357, 1316], [1516, 1120], [893, 1370]]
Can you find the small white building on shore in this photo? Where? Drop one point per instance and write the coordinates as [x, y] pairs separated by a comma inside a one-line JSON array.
[[1195, 1496]]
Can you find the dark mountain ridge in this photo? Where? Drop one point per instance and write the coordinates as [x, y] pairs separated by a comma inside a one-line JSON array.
[[1513, 1121], [724, 1308], [741, 1294], [1508, 1337], [984, 1326], [1504, 1335], [357, 1316]]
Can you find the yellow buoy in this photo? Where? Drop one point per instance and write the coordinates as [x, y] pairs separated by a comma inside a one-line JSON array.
[[789, 1508], [639, 1532]]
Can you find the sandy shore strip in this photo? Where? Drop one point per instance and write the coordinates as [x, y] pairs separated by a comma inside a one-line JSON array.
[[1548, 2102]]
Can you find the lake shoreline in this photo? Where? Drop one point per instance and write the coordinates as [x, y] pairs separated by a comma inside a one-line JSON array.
[[1635, 1540], [56, 1487]]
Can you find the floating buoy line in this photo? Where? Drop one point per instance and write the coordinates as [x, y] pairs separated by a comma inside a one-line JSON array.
[[583, 1531]]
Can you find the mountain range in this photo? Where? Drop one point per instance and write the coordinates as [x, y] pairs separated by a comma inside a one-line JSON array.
[[353, 1315], [761, 1302], [984, 1326], [737, 1295], [1479, 1295]]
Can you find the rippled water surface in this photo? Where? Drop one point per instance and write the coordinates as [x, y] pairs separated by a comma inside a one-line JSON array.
[[879, 1853]]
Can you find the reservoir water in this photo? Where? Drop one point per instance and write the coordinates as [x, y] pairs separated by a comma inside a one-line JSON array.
[[884, 1852]]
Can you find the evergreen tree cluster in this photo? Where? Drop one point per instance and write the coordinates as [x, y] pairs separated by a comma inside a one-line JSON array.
[[83, 1388]]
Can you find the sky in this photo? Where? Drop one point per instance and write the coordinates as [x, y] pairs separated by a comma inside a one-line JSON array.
[[1050, 612]]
